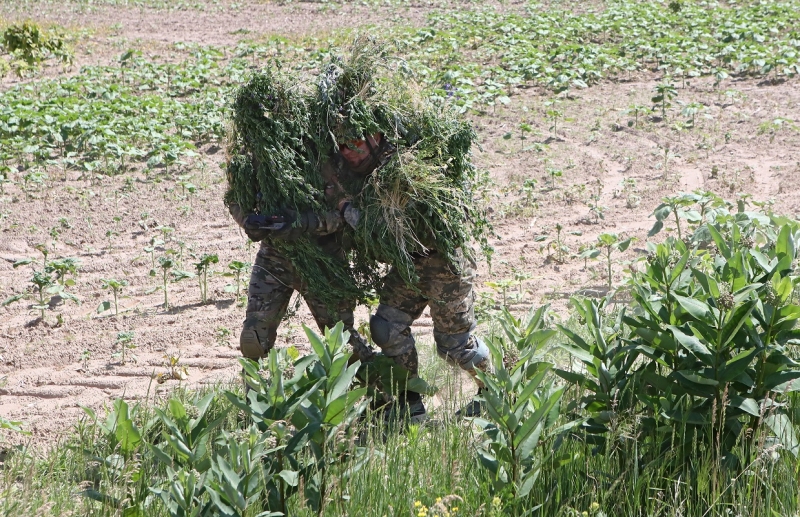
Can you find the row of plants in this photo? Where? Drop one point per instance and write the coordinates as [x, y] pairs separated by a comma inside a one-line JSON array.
[[106, 118], [479, 57], [681, 403]]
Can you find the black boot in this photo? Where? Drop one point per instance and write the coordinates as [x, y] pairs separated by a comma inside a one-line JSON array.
[[474, 407], [407, 407]]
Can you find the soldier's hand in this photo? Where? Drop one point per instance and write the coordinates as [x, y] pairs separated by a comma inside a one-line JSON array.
[[259, 227]]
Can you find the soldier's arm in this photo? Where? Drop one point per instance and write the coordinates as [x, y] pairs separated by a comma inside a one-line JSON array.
[[238, 214]]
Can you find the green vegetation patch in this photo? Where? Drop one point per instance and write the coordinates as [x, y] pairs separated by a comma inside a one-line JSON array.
[[480, 56]]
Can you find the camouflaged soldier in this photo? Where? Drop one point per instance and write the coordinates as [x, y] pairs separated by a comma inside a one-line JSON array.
[[445, 287], [273, 279]]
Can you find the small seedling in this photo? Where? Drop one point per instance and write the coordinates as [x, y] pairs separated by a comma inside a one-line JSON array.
[[609, 243], [151, 249], [63, 267], [202, 268], [125, 342], [175, 371], [85, 356], [691, 110], [46, 291], [165, 231], [116, 288], [554, 173], [223, 335], [166, 264], [636, 110], [678, 207], [560, 249], [665, 92], [237, 268]]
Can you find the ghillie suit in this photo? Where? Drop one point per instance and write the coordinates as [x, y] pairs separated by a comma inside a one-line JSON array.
[[273, 168], [415, 200]]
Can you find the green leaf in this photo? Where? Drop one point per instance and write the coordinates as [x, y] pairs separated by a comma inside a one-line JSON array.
[[737, 365], [291, 477], [12, 299], [745, 404], [783, 382], [784, 246], [656, 228], [692, 344], [582, 355], [697, 309], [784, 431]]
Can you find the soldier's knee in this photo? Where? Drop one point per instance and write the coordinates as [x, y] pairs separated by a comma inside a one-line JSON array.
[[463, 350], [380, 330], [391, 330]]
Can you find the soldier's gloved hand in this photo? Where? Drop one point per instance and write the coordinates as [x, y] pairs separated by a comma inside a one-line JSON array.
[[350, 213], [294, 224], [259, 227]]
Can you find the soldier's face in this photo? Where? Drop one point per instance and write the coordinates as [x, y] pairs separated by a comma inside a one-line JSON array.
[[356, 152]]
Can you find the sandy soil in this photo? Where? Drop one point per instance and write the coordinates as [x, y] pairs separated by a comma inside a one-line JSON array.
[[50, 368]]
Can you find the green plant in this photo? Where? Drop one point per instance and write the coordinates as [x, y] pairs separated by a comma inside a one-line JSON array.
[[31, 45], [676, 206], [46, 292], [125, 342], [151, 249], [202, 267], [307, 404], [691, 110], [554, 173], [116, 287], [63, 267], [558, 246], [168, 273], [664, 93], [521, 407], [716, 333], [775, 126], [609, 243], [636, 110], [237, 268], [607, 376]]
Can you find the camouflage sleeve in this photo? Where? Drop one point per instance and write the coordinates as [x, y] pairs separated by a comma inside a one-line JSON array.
[[238, 214]]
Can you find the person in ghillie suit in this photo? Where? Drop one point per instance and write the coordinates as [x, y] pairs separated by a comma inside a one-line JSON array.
[[404, 188], [270, 165]]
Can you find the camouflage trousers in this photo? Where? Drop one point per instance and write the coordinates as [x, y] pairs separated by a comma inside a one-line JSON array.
[[448, 290], [273, 280]]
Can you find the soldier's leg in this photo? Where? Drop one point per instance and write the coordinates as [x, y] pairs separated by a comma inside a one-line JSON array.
[[390, 326], [328, 317], [450, 290], [268, 297]]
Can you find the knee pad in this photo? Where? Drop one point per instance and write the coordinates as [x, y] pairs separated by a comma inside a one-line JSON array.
[[463, 350], [391, 331]]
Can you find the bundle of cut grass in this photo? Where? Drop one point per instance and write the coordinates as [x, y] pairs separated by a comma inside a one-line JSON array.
[[273, 167], [422, 198]]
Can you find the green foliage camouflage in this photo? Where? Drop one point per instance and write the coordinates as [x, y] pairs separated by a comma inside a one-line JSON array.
[[420, 200]]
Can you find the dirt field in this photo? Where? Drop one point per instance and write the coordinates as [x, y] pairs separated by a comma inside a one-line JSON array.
[[49, 369]]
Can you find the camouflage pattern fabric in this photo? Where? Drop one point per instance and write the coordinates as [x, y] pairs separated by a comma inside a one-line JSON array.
[[448, 290], [272, 283]]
